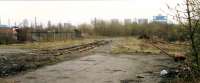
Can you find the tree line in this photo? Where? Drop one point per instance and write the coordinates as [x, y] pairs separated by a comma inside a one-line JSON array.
[[109, 28], [114, 28]]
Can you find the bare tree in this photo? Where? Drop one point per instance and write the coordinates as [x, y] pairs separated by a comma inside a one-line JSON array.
[[190, 18]]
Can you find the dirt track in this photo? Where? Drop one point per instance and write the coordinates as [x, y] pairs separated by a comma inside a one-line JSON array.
[[100, 67]]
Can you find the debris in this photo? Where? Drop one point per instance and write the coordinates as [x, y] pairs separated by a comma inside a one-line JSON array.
[[163, 73], [150, 72], [117, 70], [140, 76], [179, 57], [172, 72]]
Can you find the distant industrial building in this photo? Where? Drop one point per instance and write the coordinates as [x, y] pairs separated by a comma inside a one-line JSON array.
[[6, 29], [7, 34], [143, 21], [115, 21], [160, 18], [127, 21], [134, 21], [4, 26]]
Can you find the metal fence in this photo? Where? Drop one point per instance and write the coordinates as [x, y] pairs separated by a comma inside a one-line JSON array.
[[30, 35], [6, 38], [51, 36]]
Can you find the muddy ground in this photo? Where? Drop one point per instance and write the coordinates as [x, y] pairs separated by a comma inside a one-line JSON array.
[[14, 60], [99, 66]]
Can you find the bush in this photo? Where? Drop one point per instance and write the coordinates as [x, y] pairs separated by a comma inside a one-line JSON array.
[[7, 39]]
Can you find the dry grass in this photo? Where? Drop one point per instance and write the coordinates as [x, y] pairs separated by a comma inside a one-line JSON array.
[[43, 55], [47, 45], [172, 48], [131, 45]]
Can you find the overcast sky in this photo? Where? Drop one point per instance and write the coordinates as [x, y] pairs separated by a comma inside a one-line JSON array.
[[80, 11]]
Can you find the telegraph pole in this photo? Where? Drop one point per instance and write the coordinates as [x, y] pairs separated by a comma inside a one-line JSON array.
[[9, 23], [15, 24], [35, 22], [0, 20], [95, 22]]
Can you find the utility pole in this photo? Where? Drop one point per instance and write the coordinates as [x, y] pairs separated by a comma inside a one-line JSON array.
[[15, 23], [9, 23], [0, 20], [35, 22], [95, 22]]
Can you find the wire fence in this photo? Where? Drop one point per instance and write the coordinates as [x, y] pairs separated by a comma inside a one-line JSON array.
[[7, 38], [51, 36]]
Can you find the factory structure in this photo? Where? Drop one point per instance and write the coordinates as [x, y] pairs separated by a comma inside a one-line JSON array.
[[158, 19], [143, 21]]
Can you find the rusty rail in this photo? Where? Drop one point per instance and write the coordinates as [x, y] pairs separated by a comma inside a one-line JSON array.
[[161, 49], [15, 64], [80, 48], [171, 43]]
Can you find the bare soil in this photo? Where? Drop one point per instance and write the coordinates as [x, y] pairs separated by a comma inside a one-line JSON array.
[[16, 60], [101, 66]]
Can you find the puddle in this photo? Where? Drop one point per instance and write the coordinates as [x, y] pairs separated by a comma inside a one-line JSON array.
[[131, 81], [63, 77], [31, 77], [118, 71], [88, 60], [68, 70], [108, 81], [52, 70]]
